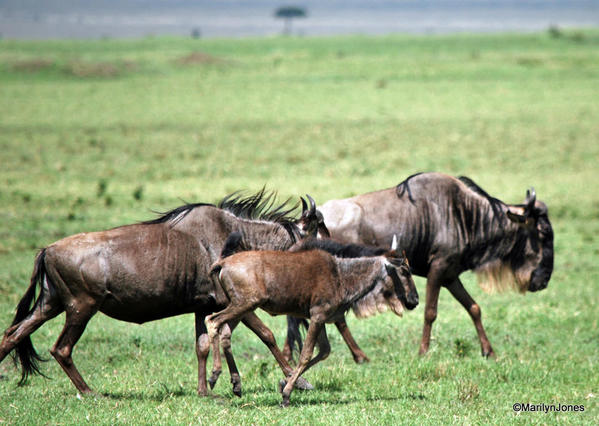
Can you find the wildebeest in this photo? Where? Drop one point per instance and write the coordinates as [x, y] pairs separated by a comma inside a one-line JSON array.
[[309, 284], [378, 303], [144, 272], [449, 225]]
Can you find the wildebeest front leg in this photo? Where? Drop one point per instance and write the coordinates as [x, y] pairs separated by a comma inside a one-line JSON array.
[[304, 361], [254, 323], [433, 287], [359, 355], [459, 292]]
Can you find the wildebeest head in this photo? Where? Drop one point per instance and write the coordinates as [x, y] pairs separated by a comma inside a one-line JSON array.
[[311, 222], [532, 263], [398, 270]]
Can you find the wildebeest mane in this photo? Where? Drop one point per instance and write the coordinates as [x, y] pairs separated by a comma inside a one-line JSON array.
[[338, 249], [258, 206], [176, 214], [404, 187], [494, 202]]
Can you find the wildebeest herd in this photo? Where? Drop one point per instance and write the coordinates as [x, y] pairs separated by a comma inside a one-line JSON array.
[[221, 262]]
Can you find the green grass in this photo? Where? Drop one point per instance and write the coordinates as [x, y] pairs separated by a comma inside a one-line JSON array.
[[96, 134]]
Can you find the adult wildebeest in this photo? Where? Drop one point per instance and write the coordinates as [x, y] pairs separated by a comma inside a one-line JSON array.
[[310, 284], [144, 272], [447, 226]]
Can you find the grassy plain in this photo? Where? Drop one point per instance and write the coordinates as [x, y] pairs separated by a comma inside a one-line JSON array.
[[97, 134]]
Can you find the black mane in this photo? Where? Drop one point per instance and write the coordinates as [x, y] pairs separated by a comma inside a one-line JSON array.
[[494, 202], [340, 250], [404, 186], [181, 211], [258, 206]]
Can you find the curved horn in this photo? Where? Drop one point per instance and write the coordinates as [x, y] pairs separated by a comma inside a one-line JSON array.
[[394, 242], [531, 197], [304, 205], [312, 204]]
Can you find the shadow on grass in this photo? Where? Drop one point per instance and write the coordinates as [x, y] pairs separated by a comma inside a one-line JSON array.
[[323, 394], [264, 396], [158, 396]]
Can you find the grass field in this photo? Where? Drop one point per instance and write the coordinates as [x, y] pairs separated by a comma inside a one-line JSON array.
[[101, 133]]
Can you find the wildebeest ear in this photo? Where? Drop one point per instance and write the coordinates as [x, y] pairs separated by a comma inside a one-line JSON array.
[[394, 243], [517, 214]]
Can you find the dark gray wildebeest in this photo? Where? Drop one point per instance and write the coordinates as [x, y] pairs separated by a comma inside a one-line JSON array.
[[310, 284], [449, 225], [144, 272]]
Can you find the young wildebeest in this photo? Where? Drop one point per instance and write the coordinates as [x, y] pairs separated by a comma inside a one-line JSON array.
[[310, 284], [447, 226], [378, 303], [144, 272]]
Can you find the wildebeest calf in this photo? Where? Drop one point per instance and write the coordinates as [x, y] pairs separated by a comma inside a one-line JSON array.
[[310, 284]]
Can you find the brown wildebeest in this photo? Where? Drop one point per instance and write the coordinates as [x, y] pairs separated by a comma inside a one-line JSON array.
[[449, 225], [308, 284], [144, 272], [339, 250]]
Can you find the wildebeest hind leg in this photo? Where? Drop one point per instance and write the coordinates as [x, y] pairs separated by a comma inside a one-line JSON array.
[[359, 355], [459, 292], [19, 331], [76, 320], [225, 339]]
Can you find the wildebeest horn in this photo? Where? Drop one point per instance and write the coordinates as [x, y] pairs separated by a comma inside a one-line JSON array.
[[304, 205], [312, 204], [531, 197], [394, 242]]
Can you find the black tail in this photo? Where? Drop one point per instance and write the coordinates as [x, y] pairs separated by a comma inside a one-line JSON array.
[[294, 336], [233, 244], [25, 352]]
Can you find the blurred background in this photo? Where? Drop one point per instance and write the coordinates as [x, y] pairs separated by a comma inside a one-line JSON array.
[[35, 19]]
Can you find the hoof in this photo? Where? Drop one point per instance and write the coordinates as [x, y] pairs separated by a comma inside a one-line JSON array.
[[361, 359], [213, 379], [490, 354], [282, 384], [237, 390], [236, 382], [302, 384], [88, 394], [285, 403]]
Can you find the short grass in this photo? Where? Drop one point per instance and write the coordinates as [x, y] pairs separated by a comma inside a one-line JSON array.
[[100, 133]]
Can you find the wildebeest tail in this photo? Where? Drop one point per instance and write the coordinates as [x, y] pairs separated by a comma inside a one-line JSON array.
[[25, 353], [232, 245], [294, 335]]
